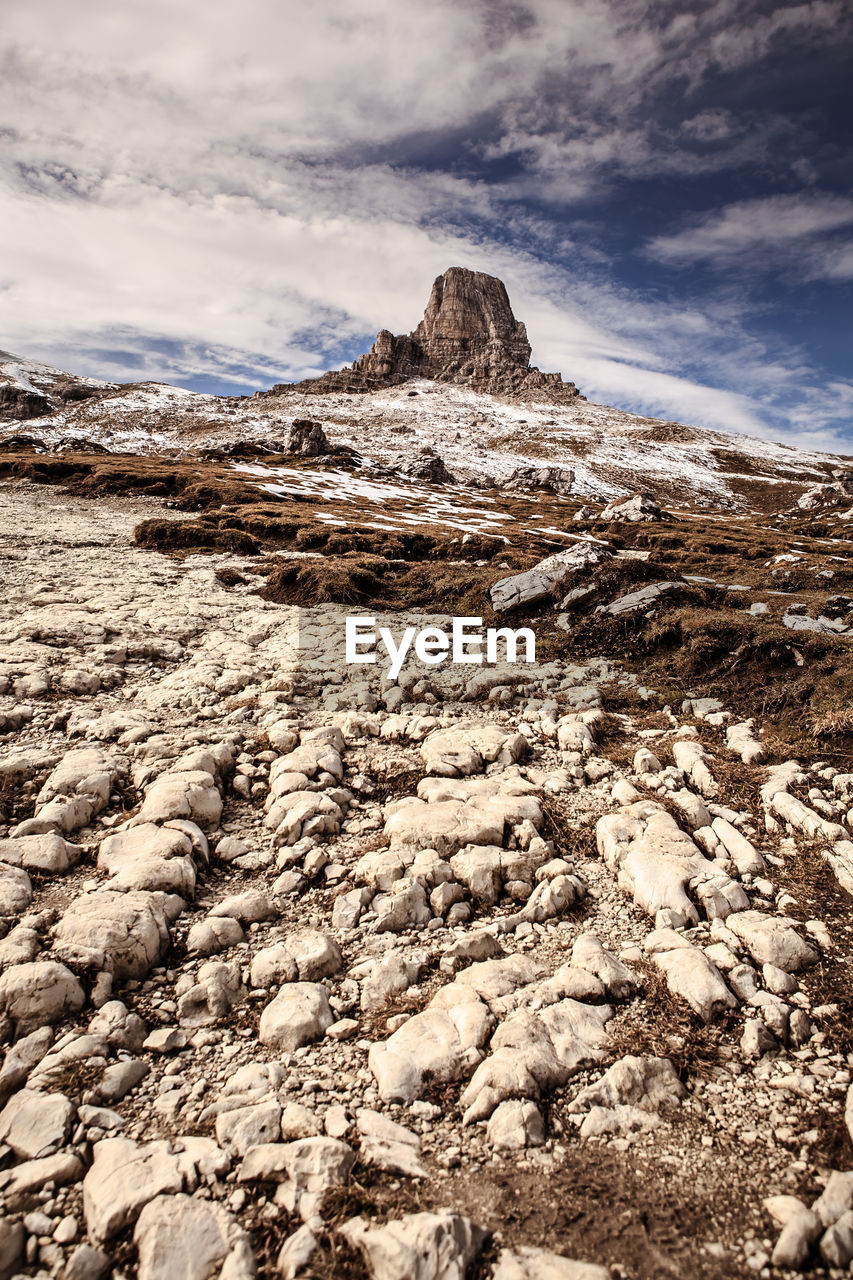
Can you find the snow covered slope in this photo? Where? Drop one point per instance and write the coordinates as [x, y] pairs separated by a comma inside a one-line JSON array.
[[481, 438]]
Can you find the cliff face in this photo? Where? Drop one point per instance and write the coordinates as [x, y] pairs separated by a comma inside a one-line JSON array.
[[468, 336]]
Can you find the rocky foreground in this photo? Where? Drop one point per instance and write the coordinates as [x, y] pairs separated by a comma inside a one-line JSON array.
[[490, 971]]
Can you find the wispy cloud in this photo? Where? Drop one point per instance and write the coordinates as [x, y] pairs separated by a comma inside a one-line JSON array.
[[766, 232]]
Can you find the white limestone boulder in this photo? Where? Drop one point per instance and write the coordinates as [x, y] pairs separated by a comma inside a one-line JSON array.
[[39, 994], [124, 934], [180, 1235], [298, 1015], [772, 940], [419, 1246]]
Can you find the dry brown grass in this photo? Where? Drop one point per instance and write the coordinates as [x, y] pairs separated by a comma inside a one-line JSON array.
[[659, 1024]]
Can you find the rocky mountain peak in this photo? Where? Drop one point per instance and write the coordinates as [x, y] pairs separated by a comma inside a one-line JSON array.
[[468, 336], [468, 310]]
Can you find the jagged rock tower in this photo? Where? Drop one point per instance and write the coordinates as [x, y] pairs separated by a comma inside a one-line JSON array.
[[468, 336]]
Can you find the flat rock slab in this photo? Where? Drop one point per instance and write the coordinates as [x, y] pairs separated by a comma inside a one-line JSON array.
[[180, 1236], [420, 1246]]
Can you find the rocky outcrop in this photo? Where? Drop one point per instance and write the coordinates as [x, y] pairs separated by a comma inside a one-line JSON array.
[[18, 404], [468, 336]]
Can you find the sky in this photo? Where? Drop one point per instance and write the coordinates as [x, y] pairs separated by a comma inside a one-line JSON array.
[[228, 196]]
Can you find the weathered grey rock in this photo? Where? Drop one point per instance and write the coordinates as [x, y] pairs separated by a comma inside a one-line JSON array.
[[36, 1124], [250, 907], [742, 740], [743, 854], [39, 994], [298, 1015], [48, 854], [642, 600], [589, 954], [535, 1052], [306, 1170], [772, 940], [528, 479], [243, 1128], [794, 1245], [405, 906], [298, 1121], [20, 946], [690, 974], [836, 1198], [388, 1145], [836, 1244], [446, 825], [468, 336], [120, 1078], [87, 1263], [217, 990], [757, 1039], [124, 934], [189, 794], [515, 1125], [692, 758], [419, 1246], [634, 507], [437, 1044], [656, 862], [181, 1236], [20, 1182], [296, 1252], [390, 975], [548, 577], [467, 749], [216, 933], [272, 966], [316, 954], [16, 891], [308, 438], [124, 1177], [149, 857], [649, 1083], [20, 1059]]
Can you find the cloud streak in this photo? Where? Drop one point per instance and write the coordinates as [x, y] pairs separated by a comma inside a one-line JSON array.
[[766, 232]]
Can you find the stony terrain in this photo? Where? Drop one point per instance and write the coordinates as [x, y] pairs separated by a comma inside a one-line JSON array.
[[486, 970]]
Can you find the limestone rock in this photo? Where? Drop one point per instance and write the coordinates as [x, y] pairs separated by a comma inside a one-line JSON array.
[[122, 933], [39, 994], [690, 974], [649, 1083], [772, 940], [48, 854], [124, 1177], [637, 506], [16, 891], [515, 1125], [547, 577], [179, 1235], [36, 1124], [419, 1246], [298, 1015]]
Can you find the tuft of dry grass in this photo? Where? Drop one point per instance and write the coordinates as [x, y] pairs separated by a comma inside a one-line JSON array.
[[660, 1024]]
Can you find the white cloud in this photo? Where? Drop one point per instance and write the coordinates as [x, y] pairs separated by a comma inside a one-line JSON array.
[[761, 231]]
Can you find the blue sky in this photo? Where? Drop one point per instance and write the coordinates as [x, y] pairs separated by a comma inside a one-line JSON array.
[[229, 196]]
